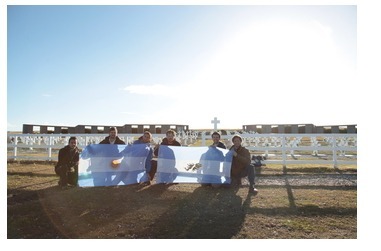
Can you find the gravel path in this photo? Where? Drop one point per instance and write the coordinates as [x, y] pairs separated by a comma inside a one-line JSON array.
[[307, 180]]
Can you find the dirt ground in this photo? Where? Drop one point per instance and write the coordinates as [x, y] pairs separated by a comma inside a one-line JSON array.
[[304, 203]]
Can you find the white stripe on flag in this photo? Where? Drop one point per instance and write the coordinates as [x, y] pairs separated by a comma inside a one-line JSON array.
[[193, 165]]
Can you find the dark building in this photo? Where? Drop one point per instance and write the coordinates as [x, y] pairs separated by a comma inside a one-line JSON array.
[[93, 129], [299, 128]]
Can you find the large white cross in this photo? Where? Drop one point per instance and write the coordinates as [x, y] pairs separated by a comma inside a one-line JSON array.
[[215, 122]]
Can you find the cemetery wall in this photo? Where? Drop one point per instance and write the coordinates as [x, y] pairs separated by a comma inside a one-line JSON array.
[[91, 129]]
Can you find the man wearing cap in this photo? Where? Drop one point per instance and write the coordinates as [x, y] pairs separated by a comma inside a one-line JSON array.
[[241, 164]]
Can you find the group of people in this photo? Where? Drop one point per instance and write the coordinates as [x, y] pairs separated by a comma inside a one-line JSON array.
[[68, 157]]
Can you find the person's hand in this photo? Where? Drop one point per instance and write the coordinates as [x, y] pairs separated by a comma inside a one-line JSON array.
[[234, 152]]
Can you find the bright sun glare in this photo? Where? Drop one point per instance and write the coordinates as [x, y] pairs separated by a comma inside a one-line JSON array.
[[274, 65], [274, 51], [281, 60]]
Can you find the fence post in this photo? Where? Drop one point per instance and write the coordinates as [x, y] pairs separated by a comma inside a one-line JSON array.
[[15, 149], [334, 151], [50, 148], [284, 155]]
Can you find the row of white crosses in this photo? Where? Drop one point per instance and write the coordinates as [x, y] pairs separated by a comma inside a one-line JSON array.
[[315, 142], [29, 140], [341, 142], [263, 142], [187, 138], [293, 142], [345, 142]]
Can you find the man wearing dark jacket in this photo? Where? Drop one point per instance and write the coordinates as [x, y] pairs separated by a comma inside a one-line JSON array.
[[241, 164], [112, 138], [169, 140], [67, 166]]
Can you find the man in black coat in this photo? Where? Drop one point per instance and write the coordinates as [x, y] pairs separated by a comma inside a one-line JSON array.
[[112, 138], [67, 166]]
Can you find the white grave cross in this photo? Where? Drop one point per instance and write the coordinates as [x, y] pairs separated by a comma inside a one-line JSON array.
[[215, 122]]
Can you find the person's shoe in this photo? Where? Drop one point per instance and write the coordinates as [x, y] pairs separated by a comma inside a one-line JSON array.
[[147, 183], [253, 190]]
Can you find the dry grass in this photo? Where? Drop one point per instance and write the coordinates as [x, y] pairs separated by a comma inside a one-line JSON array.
[[38, 209]]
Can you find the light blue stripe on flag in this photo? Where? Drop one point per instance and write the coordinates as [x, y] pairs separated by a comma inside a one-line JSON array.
[[96, 168], [193, 165]]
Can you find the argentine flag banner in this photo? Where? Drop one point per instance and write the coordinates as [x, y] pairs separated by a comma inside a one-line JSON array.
[[111, 165], [178, 164]]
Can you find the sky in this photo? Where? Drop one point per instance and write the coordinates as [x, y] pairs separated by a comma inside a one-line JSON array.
[[115, 65]]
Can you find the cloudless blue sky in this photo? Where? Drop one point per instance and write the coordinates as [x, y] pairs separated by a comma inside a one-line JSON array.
[[116, 65]]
